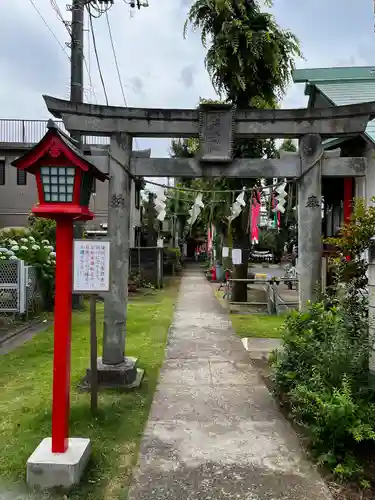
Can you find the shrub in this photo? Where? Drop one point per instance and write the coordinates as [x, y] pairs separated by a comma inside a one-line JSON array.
[[14, 232], [173, 257], [323, 369], [43, 229], [39, 254]]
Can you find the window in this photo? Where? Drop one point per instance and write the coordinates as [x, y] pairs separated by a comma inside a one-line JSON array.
[[137, 197], [58, 183], [21, 177], [2, 172]]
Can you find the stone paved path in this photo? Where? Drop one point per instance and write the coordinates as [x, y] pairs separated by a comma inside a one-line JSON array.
[[214, 431]]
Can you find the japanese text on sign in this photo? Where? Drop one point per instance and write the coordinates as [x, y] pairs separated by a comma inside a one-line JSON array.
[[91, 266]]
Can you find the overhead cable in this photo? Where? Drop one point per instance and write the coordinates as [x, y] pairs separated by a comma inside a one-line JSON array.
[[49, 28]]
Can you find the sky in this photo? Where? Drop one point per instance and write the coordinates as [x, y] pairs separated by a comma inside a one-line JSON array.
[[158, 67]]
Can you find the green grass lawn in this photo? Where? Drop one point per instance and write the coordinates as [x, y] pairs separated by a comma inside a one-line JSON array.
[[25, 399], [257, 325]]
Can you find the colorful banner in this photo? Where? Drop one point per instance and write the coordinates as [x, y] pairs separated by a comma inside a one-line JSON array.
[[255, 216]]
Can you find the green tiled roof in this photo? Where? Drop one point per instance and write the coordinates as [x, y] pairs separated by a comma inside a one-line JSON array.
[[334, 74], [341, 86]]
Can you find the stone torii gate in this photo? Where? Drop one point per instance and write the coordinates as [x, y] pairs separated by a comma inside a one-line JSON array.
[[217, 125]]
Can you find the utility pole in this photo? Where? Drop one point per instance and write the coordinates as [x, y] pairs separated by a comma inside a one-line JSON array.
[[76, 90], [77, 56], [76, 73]]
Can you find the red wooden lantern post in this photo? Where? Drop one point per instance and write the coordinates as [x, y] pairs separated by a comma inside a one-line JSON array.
[[64, 182]]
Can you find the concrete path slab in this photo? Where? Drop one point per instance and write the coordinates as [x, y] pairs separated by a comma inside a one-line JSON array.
[[215, 432], [260, 348]]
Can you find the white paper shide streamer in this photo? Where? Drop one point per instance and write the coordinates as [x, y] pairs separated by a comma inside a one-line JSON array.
[[160, 206], [195, 209], [281, 198], [238, 205]]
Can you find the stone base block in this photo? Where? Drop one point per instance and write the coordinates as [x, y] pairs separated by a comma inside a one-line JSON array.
[[122, 376], [46, 470]]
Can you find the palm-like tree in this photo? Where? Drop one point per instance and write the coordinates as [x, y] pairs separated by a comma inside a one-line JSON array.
[[249, 57]]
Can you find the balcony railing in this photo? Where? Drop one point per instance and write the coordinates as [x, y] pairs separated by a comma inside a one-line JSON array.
[[32, 131]]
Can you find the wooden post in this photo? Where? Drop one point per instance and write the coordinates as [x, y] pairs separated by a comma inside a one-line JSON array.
[[93, 355]]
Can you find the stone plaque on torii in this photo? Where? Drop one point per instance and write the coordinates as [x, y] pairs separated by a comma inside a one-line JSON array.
[[216, 126]]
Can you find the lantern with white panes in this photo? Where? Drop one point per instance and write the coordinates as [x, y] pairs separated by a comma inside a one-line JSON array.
[[64, 177]]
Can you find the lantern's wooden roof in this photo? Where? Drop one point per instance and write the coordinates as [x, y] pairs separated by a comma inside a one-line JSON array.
[[55, 140]]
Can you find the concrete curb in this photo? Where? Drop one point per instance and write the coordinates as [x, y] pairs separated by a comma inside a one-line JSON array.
[[21, 330], [16, 339]]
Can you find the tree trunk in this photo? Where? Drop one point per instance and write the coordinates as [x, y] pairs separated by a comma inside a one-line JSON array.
[[241, 240], [227, 242]]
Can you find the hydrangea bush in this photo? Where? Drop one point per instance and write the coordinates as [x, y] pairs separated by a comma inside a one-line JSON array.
[[37, 253]]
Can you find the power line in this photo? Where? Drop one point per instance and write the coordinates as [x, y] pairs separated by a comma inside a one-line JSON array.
[[117, 66], [49, 28], [97, 56], [56, 8], [100, 9], [115, 58], [66, 24]]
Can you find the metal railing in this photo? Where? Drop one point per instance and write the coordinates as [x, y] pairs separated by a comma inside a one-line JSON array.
[[273, 303], [32, 131]]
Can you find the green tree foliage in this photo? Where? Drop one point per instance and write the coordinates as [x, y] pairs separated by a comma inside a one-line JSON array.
[[249, 57], [288, 145]]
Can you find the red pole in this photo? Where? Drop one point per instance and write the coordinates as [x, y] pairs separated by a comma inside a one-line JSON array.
[[348, 198], [62, 335]]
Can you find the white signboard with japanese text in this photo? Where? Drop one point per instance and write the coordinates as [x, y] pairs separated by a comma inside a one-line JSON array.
[[91, 266]]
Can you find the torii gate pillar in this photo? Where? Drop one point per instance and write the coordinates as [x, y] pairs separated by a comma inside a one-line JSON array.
[[309, 218], [114, 368]]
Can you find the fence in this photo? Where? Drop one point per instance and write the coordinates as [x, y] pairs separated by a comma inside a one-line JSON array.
[[32, 131], [273, 303], [19, 291], [276, 303], [148, 263]]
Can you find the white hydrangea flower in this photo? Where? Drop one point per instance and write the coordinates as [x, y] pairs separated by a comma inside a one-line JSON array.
[[23, 248], [24, 240], [32, 239], [45, 242], [13, 257], [13, 242], [15, 248], [52, 254], [9, 252], [50, 248], [35, 247], [2, 257]]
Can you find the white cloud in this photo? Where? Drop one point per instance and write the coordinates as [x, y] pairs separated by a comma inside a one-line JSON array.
[[158, 67]]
